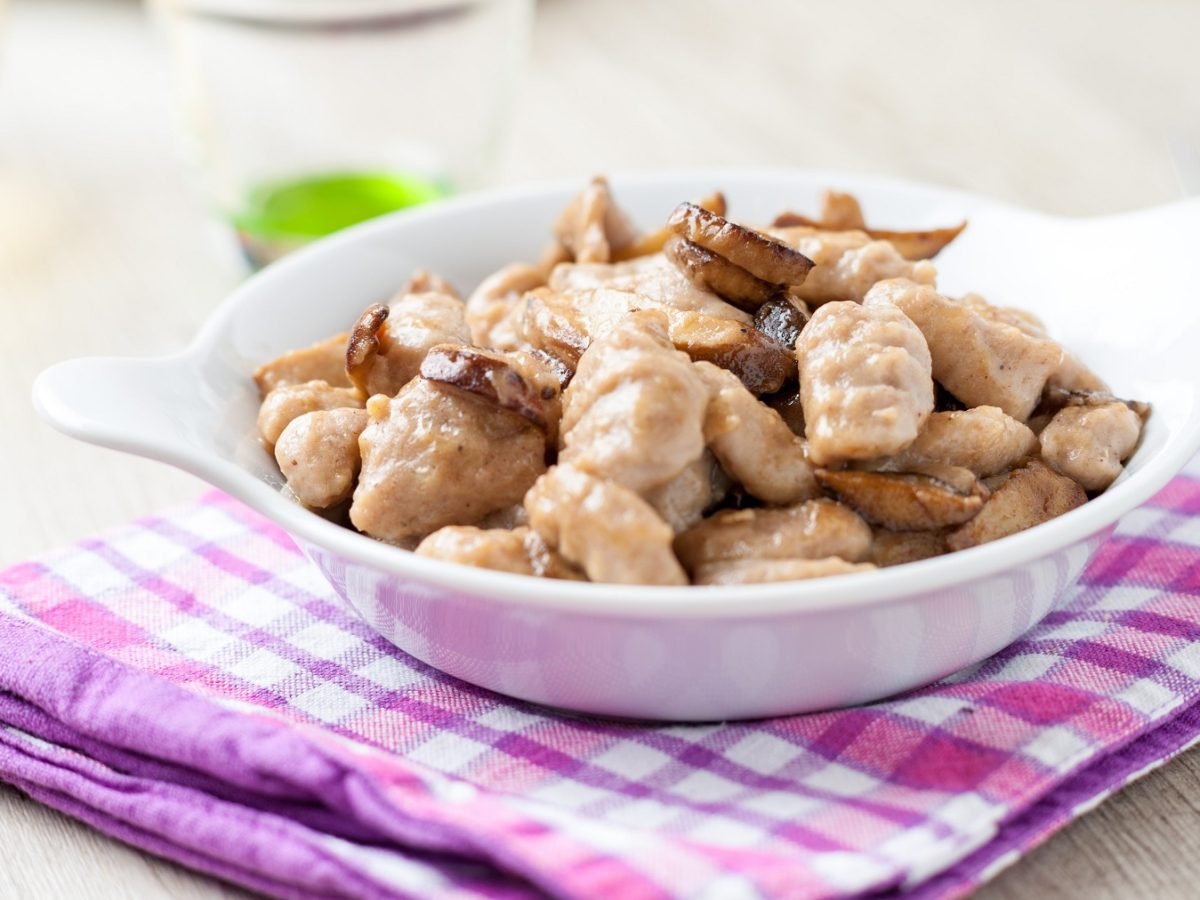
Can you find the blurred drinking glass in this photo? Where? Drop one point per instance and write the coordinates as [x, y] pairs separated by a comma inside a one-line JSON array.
[[306, 116]]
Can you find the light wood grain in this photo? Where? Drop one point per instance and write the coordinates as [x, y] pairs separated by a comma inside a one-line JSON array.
[[105, 248]]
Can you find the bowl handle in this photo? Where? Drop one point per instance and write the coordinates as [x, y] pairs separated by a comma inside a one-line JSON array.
[[142, 406]]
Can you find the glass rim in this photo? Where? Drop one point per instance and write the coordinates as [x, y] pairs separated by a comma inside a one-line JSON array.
[[302, 14]]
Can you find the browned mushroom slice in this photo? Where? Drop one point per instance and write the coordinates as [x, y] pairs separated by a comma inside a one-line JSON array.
[[387, 345], [495, 377], [894, 548], [653, 241], [423, 282], [654, 279], [811, 530], [323, 361], [918, 244], [907, 502], [1030, 496], [711, 272], [782, 319], [764, 365], [842, 212], [364, 344], [564, 325], [762, 571], [790, 408], [592, 227], [944, 401], [759, 254]]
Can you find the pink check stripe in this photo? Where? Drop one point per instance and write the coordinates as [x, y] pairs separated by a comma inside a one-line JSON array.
[[196, 658]]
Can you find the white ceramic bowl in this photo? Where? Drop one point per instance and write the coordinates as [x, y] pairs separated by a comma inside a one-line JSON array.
[[1124, 291]]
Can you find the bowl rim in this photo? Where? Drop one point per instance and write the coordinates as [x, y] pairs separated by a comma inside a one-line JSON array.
[[855, 590]]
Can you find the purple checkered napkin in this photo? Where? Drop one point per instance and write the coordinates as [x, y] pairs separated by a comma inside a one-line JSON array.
[[191, 686]]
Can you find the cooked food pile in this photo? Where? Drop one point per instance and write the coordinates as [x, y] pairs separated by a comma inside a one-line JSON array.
[[707, 403]]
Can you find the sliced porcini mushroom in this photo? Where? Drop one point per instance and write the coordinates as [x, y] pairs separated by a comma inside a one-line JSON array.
[[654, 241], [759, 254], [912, 245], [944, 401], [842, 212], [790, 408], [494, 377], [908, 501], [916, 245], [1029, 496], [782, 319], [714, 273], [564, 325], [423, 282], [364, 344], [762, 363]]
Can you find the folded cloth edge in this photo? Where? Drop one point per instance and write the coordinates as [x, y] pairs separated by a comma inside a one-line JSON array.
[[1072, 798], [128, 708]]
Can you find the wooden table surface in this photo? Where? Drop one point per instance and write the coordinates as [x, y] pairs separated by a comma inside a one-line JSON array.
[[105, 247]]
